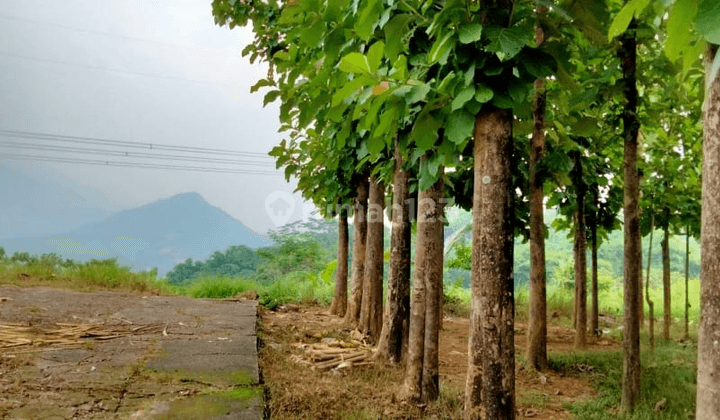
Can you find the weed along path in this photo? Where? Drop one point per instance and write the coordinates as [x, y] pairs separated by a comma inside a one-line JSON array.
[[120, 355]]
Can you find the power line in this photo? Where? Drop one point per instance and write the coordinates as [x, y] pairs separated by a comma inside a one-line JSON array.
[[106, 69], [131, 144], [119, 153], [55, 159]]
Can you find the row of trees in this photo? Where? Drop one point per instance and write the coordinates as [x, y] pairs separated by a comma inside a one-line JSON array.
[[435, 100]]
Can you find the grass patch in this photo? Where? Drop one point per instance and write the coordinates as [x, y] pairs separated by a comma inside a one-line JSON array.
[[667, 374], [89, 276]]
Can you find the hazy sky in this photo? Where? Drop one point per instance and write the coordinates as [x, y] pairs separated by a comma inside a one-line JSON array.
[[142, 71]]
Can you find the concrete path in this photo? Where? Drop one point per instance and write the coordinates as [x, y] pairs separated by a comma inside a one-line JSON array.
[[187, 358]]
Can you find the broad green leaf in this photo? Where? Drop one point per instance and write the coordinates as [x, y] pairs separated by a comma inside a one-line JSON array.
[[312, 35], [395, 31], [679, 23], [518, 91], [470, 33], [470, 74], [282, 55], [621, 21], [367, 19], [261, 83], [502, 102], [623, 18], [441, 48], [425, 131], [692, 54], [375, 145], [402, 90], [374, 56], [459, 126], [270, 97], [386, 121], [399, 69], [427, 179], [483, 94], [348, 89], [417, 93], [462, 97], [506, 42], [355, 63], [446, 82], [708, 20], [433, 165]]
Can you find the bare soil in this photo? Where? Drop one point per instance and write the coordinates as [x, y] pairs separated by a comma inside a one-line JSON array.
[[298, 390]]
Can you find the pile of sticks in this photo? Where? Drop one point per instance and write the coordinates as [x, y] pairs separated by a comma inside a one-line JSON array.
[[12, 336], [323, 357]]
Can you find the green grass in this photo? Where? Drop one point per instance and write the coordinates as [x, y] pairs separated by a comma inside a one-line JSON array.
[[92, 275], [668, 373], [296, 287]]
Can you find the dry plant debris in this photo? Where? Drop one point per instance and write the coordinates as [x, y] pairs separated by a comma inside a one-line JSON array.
[[335, 354], [14, 336]]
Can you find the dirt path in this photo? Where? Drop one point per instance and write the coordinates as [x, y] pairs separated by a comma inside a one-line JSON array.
[[300, 391], [115, 355]]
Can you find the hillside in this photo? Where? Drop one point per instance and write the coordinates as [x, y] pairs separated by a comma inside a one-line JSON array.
[[159, 234]]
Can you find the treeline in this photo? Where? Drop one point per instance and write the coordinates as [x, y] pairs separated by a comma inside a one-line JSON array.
[[305, 246]]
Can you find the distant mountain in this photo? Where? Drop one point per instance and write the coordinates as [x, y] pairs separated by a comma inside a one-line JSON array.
[[37, 206], [159, 234]]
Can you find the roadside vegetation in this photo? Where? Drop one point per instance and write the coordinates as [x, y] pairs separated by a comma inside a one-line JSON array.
[[300, 269]]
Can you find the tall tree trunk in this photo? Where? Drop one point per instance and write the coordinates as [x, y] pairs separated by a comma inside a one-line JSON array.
[[537, 321], [340, 298], [491, 363], [371, 308], [394, 336], [632, 253], [580, 253], [352, 316], [708, 382], [595, 310], [666, 282], [433, 291], [651, 304], [687, 281], [421, 376]]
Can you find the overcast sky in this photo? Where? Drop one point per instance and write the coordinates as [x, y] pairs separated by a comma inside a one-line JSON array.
[[142, 71]]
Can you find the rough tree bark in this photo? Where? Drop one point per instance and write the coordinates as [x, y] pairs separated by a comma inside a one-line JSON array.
[[352, 316], [394, 336], [651, 304], [632, 252], [580, 254], [433, 290], [687, 281], [371, 308], [537, 320], [708, 380], [667, 316], [490, 390], [421, 378], [340, 297], [595, 309]]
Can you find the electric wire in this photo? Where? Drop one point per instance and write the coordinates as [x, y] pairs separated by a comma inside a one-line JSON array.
[[130, 144], [56, 159], [120, 153]]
